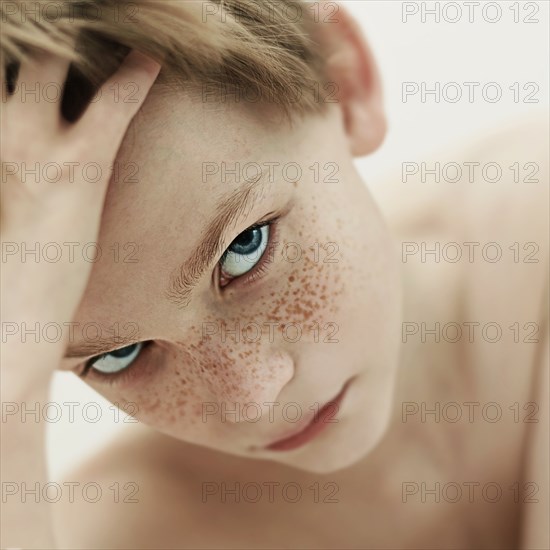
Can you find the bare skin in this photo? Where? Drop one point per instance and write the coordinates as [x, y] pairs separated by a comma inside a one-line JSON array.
[[364, 460], [372, 509]]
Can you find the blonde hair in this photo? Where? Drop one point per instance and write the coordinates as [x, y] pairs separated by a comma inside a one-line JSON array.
[[262, 49]]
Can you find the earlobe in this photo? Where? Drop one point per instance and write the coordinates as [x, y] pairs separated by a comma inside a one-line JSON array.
[[351, 66]]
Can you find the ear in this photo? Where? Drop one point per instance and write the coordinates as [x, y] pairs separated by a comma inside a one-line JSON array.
[[351, 67]]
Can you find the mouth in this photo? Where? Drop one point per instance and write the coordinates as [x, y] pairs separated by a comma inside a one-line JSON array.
[[321, 420]]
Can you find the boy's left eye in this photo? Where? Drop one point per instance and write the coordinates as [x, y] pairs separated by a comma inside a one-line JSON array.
[[244, 253], [116, 360]]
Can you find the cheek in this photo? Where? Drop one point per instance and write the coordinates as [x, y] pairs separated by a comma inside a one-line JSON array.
[[308, 298], [170, 395], [204, 373]]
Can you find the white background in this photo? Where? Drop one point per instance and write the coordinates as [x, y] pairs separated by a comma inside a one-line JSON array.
[[503, 52]]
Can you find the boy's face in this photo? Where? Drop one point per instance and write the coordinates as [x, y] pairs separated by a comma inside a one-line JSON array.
[[245, 347]]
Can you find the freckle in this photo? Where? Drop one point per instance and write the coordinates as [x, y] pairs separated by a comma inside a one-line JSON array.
[[154, 406]]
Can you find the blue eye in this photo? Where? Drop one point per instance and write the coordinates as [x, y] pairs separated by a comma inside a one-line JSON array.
[[245, 251], [116, 360]]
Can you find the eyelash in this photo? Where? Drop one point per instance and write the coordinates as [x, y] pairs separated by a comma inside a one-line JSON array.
[[126, 374], [256, 273]]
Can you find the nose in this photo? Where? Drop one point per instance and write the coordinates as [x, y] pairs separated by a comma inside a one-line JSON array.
[[241, 377]]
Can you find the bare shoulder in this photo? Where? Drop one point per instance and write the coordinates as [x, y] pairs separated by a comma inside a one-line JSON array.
[[508, 198], [472, 227], [134, 494], [507, 224], [514, 292], [473, 238], [501, 223], [473, 184]]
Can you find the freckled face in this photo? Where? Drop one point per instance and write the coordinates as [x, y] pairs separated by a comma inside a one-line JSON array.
[[245, 360]]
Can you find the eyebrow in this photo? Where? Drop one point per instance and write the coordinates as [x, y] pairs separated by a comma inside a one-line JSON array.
[[230, 208]]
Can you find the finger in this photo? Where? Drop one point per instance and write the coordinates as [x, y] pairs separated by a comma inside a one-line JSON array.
[[120, 99], [38, 92]]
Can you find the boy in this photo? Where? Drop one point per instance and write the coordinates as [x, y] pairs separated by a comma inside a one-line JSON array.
[[270, 332]]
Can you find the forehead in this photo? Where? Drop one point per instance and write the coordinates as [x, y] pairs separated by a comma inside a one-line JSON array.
[[179, 146], [179, 158]]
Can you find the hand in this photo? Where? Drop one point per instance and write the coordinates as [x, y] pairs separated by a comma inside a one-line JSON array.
[[35, 209]]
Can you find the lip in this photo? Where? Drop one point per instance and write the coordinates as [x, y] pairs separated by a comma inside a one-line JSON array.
[[320, 421]]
